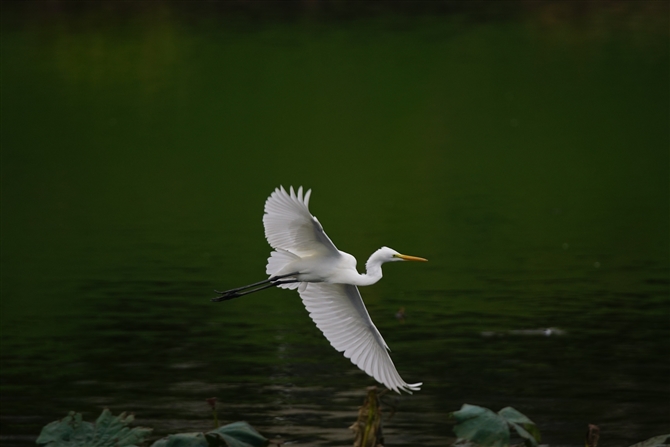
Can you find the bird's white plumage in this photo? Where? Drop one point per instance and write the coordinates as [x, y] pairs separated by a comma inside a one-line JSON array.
[[336, 307], [338, 311], [290, 226], [277, 261]]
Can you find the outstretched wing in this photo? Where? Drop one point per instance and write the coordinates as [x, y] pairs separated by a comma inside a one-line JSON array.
[[290, 226], [338, 310]]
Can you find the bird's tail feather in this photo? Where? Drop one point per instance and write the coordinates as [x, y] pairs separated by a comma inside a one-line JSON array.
[[277, 261]]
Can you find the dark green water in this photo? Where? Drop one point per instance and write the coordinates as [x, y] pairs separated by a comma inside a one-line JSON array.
[[526, 158]]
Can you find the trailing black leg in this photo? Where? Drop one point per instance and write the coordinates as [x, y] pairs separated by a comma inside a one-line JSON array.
[[225, 292], [245, 290]]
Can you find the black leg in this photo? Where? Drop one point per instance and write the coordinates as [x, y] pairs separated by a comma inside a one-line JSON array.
[[246, 290], [248, 286], [244, 287]]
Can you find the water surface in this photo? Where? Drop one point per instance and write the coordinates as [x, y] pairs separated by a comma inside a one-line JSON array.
[[525, 157]]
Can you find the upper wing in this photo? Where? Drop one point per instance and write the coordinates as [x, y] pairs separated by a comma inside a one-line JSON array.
[[338, 310], [290, 226]]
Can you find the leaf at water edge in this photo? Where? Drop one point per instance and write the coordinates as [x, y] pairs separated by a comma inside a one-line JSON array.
[[240, 434], [114, 431], [61, 433], [481, 425], [237, 434], [523, 425], [108, 431], [528, 439], [182, 440], [656, 441]]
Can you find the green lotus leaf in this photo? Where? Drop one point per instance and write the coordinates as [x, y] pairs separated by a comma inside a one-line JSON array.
[[528, 439], [237, 434], [240, 434], [481, 425], [522, 425], [108, 431], [183, 440]]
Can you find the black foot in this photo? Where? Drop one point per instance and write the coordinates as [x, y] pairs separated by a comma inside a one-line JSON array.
[[227, 296]]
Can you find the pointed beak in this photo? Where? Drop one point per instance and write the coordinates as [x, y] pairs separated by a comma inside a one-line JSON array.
[[410, 258]]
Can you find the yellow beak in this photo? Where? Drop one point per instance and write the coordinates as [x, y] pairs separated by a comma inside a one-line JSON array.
[[410, 258]]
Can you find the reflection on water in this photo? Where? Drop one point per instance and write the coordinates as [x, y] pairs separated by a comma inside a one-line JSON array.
[[526, 157]]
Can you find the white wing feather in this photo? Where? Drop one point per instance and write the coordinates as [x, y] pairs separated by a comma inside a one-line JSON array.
[[277, 261], [339, 312], [291, 227]]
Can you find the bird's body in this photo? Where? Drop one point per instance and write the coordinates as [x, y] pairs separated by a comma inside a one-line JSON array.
[[332, 269], [305, 258]]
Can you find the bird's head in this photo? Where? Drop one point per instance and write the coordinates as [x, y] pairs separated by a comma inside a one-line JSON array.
[[389, 254]]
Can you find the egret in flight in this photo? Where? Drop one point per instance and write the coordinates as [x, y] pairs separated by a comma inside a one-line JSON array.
[[305, 258]]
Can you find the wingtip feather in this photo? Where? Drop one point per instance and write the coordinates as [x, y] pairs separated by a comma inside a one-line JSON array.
[[308, 194]]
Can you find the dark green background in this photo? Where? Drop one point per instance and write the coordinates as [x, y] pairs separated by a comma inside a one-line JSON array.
[[523, 151]]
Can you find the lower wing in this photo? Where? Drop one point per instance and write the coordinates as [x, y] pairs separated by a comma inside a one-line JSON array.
[[338, 310]]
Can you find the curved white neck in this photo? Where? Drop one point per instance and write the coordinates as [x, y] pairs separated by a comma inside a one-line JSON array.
[[373, 271]]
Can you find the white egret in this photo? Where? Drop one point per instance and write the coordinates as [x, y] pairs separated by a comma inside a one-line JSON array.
[[305, 258]]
